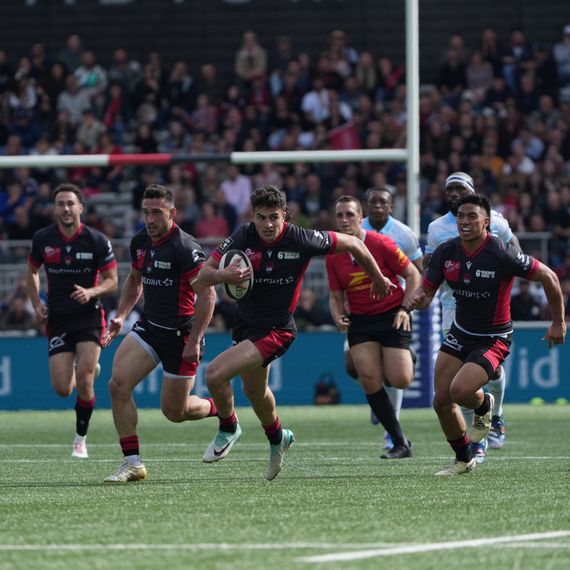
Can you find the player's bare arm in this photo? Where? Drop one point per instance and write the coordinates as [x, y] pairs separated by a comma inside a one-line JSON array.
[[381, 285], [556, 333], [33, 290], [421, 298], [203, 311], [412, 277], [109, 283], [336, 306], [130, 294], [210, 274]]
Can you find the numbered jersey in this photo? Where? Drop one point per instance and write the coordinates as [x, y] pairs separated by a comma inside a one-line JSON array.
[[278, 269]]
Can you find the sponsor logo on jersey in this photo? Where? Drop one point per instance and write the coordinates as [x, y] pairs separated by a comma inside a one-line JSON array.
[[288, 255], [483, 273], [83, 255], [52, 254], [269, 266], [275, 280], [472, 294], [451, 270], [162, 264], [359, 281], [157, 282], [255, 257], [67, 260], [140, 254], [467, 278]]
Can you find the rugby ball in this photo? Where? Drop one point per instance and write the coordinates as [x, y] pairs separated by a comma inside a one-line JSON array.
[[240, 290]]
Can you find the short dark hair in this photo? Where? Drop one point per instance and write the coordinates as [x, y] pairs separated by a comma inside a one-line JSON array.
[[347, 199], [268, 197], [159, 191], [384, 188], [478, 200], [68, 187]]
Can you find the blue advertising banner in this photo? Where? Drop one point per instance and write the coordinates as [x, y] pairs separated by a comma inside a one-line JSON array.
[[532, 371]]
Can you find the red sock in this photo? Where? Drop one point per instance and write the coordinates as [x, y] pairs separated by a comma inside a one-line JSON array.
[[213, 409], [274, 432], [228, 424], [461, 448], [130, 445]]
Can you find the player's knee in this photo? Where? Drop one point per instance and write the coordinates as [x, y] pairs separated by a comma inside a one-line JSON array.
[[460, 394], [63, 391], [441, 403], [118, 388], [172, 413], [215, 376]]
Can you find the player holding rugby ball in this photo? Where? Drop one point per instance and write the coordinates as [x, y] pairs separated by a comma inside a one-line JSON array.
[[264, 328]]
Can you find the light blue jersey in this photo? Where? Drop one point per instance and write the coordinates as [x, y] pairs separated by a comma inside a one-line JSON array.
[[445, 228], [404, 237]]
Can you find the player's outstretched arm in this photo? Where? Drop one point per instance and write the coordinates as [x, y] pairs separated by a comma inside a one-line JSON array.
[[556, 333], [381, 285]]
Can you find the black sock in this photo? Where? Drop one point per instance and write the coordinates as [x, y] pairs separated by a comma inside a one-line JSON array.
[[83, 412], [484, 407], [384, 411]]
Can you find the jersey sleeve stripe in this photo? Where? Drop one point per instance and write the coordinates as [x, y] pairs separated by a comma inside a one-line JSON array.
[[191, 273], [333, 242], [533, 269], [108, 266], [33, 262], [216, 255]]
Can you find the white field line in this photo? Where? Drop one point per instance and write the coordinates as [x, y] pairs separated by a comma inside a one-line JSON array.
[[316, 459], [431, 547], [199, 546]]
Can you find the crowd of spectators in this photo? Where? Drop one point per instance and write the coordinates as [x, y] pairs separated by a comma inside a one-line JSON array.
[[499, 110]]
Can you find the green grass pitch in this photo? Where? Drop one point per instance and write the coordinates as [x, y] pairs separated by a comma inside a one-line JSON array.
[[335, 504]]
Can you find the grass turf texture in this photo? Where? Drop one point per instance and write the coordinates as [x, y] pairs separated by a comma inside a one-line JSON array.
[[334, 495]]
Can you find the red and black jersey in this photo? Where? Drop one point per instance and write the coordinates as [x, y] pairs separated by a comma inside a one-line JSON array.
[[167, 266], [481, 282], [346, 275], [278, 269], [77, 260]]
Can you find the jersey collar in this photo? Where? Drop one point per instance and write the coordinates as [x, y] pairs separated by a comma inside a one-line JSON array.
[[74, 236], [277, 239], [479, 249], [164, 238]]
